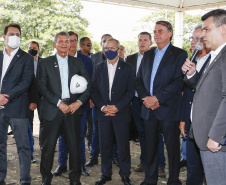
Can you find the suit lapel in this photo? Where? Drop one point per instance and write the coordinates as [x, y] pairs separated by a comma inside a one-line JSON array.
[[165, 58], [149, 65], [117, 72], [210, 66], [1, 62], [105, 74], [55, 65], [70, 74], [16, 57]]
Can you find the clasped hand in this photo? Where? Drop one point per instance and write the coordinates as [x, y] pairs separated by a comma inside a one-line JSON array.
[[69, 108], [151, 102], [3, 99], [110, 110]]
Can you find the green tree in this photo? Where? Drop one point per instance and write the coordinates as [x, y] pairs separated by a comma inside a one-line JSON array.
[[40, 20]]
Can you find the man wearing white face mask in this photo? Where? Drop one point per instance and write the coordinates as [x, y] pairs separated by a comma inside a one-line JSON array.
[[16, 73]]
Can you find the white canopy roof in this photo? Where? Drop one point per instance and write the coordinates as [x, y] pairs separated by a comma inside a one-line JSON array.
[[176, 5]]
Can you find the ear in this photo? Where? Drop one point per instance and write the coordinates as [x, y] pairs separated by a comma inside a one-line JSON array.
[[223, 29], [54, 44], [151, 43], [4, 36]]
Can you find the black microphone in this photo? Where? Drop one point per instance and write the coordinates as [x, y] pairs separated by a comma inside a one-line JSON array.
[[198, 47]]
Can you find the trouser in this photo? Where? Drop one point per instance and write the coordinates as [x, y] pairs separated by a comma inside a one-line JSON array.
[[95, 139], [20, 129], [51, 131], [107, 131], [63, 149], [214, 165], [171, 132]]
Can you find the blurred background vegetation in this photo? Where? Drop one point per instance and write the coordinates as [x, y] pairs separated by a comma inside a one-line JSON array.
[[40, 20]]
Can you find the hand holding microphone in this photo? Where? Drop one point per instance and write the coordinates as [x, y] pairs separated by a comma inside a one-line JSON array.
[[189, 66]]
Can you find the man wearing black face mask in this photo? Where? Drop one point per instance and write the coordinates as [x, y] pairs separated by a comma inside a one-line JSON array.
[[34, 97], [113, 89]]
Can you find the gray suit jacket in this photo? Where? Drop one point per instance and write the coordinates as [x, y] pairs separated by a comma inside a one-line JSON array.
[[49, 85], [209, 105]]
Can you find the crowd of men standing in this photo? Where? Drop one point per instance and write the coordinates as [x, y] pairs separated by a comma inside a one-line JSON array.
[[165, 92]]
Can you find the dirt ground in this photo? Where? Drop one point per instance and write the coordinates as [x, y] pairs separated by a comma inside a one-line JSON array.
[[95, 172]]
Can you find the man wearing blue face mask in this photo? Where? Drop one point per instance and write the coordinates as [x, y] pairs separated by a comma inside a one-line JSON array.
[[113, 90], [16, 73]]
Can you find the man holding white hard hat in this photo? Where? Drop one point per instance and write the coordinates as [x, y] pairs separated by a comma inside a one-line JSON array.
[[61, 109]]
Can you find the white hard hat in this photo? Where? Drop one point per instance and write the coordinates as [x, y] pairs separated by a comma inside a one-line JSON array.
[[78, 84]]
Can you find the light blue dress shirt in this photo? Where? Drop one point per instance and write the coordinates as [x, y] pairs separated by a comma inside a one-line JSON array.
[[158, 57], [63, 67], [35, 65]]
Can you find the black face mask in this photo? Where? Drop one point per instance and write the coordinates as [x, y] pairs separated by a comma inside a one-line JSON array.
[[32, 52]]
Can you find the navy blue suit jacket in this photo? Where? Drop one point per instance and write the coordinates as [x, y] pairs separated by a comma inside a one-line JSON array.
[[16, 82], [168, 83], [87, 61], [122, 91]]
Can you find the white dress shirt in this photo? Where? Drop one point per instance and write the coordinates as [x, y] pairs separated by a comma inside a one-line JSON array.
[[111, 74]]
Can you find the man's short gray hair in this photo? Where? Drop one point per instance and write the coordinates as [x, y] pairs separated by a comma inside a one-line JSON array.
[[61, 33], [199, 26], [112, 39]]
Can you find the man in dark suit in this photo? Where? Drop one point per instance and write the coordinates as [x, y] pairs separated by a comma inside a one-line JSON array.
[[34, 49], [112, 91], [194, 163], [61, 109], [96, 59], [144, 44], [208, 109], [159, 83], [63, 149], [16, 67]]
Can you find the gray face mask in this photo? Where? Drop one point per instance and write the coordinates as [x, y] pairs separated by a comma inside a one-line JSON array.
[[14, 42]]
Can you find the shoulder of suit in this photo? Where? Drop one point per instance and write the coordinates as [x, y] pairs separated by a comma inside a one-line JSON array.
[[84, 57], [96, 55], [22, 52], [174, 48], [133, 55]]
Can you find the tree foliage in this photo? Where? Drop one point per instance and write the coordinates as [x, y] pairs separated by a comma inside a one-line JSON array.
[[40, 20]]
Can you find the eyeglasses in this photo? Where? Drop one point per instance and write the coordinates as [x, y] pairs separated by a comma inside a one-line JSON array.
[[110, 48], [196, 39], [88, 44], [75, 40]]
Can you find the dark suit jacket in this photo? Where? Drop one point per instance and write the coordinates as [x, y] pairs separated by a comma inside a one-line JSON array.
[[209, 104], [122, 90], [97, 58], [16, 82], [167, 85], [132, 59], [87, 61], [49, 85], [34, 96]]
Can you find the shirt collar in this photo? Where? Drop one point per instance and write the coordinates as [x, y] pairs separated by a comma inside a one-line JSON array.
[[61, 58], [139, 54], [76, 54], [217, 51], [12, 53], [163, 49], [115, 64]]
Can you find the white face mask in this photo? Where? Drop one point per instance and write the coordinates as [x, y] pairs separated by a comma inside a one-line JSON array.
[[14, 41]]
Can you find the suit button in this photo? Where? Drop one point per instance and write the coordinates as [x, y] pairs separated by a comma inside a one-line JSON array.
[[190, 102], [193, 90]]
